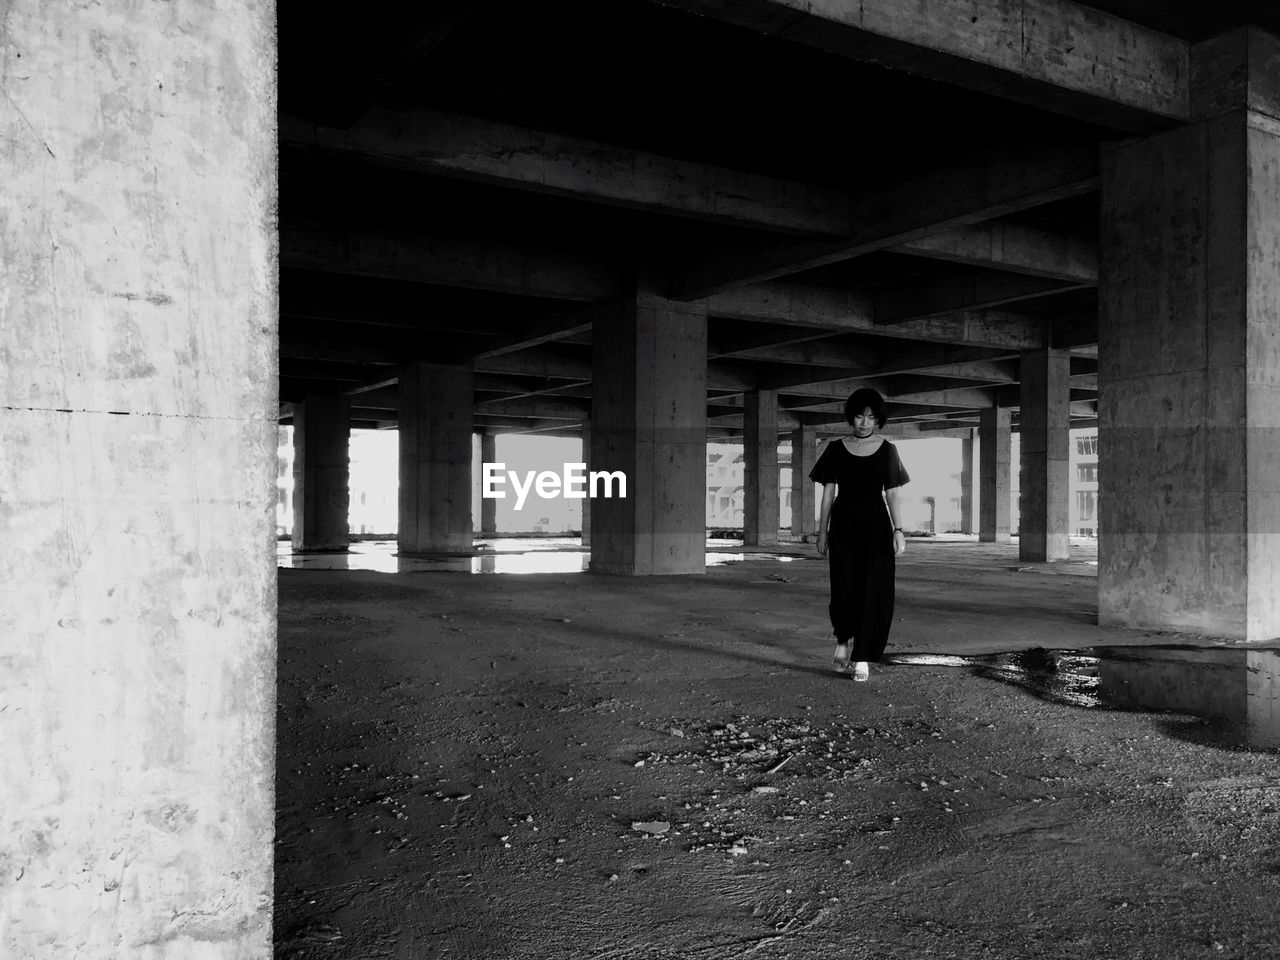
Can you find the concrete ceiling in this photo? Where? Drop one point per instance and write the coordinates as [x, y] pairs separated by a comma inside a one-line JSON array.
[[462, 182]]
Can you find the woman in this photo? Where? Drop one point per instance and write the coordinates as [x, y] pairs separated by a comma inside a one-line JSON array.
[[862, 537]]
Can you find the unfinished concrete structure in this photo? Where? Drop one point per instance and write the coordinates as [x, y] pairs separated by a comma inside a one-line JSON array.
[[661, 217]]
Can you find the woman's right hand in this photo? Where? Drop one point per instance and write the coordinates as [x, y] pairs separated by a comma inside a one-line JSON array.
[[822, 544]]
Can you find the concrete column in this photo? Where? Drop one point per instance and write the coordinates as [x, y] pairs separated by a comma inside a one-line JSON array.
[[321, 473], [488, 505], [804, 453], [435, 458], [649, 420], [966, 482], [993, 454], [760, 468], [586, 504], [1189, 371], [138, 427], [1044, 508]]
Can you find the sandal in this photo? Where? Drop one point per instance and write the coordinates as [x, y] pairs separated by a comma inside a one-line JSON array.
[[861, 671], [841, 663]]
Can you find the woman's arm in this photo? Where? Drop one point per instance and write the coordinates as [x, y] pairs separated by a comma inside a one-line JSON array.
[[899, 538], [828, 497]]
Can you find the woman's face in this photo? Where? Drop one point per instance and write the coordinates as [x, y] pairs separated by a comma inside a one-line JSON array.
[[864, 423]]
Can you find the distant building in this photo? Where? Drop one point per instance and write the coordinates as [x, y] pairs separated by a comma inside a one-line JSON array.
[[1084, 479]]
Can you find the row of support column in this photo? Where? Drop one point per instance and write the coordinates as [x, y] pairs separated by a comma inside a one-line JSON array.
[[435, 460]]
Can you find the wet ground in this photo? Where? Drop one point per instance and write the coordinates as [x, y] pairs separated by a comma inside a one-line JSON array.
[[493, 555], [566, 765]]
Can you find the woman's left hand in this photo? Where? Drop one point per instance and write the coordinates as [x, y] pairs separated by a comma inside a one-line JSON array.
[[899, 542]]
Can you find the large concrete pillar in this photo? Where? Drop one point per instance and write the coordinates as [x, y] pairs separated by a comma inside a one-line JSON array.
[[760, 468], [966, 482], [321, 473], [804, 453], [1189, 370], [488, 505], [1044, 507], [435, 458], [994, 451], [138, 428], [649, 420]]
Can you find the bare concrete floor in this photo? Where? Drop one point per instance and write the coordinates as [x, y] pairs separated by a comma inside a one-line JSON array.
[[566, 765]]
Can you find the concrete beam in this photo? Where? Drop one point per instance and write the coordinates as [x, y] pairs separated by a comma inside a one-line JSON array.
[[848, 311], [540, 408], [855, 361], [1012, 248], [990, 185], [898, 412], [929, 429], [544, 361], [986, 371], [321, 299], [521, 158], [373, 61], [1054, 54], [1081, 401], [450, 261], [786, 421], [753, 336], [553, 428], [1074, 331], [557, 324], [973, 398], [962, 291], [413, 43]]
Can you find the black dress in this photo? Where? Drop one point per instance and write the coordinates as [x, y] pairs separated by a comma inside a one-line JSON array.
[[860, 544]]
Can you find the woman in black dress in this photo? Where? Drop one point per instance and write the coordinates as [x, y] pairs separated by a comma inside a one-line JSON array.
[[860, 531]]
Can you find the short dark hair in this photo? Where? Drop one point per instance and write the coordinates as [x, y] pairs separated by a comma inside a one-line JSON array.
[[865, 398]]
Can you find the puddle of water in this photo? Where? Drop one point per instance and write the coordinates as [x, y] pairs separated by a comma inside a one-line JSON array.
[[719, 559], [1239, 686], [379, 556], [502, 555]]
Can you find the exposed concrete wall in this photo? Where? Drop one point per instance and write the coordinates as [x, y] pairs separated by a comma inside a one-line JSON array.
[[435, 458], [138, 424], [649, 419], [760, 468], [994, 453], [321, 473], [1044, 510], [1189, 376], [804, 453]]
